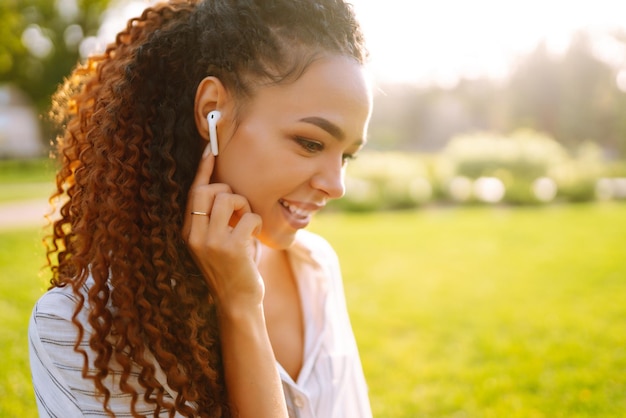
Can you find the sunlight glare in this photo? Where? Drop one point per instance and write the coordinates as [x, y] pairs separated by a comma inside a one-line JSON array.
[[421, 41]]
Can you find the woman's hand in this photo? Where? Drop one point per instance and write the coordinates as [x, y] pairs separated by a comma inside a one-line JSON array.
[[220, 236], [221, 240]]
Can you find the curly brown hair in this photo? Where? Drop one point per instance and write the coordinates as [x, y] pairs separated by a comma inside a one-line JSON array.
[[129, 152]]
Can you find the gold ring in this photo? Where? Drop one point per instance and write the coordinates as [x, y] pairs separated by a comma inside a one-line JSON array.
[[199, 213]]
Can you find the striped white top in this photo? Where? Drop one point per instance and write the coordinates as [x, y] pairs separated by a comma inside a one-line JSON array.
[[331, 383]]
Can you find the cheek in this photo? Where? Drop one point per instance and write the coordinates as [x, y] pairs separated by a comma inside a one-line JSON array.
[[252, 176], [259, 167]]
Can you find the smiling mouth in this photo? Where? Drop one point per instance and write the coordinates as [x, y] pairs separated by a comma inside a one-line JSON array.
[[295, 210]]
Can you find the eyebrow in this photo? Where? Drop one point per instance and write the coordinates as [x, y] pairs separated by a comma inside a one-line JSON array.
[[326, 125]]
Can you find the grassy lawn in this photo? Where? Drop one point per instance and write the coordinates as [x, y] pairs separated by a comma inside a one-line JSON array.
[[21, 259], [489, 312], [475, 312], [26, 179]]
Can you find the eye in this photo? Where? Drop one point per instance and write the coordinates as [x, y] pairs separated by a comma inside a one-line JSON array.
[[309, 145]]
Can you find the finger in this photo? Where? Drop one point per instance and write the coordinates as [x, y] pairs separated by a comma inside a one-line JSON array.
[[225, 206], [204, 171], [248, 226], [201, 199], [202, 177]]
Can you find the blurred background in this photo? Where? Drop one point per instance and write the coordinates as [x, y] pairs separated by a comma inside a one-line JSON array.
[[520, 102], [483, 233], [526, 97]]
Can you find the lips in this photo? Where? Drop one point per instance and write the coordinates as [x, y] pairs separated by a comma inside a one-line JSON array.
[[299, 214]]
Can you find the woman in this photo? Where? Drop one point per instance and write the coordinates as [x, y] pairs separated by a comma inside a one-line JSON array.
[[195, 151]]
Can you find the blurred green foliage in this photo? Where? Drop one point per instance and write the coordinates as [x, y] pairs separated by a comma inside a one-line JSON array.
[[573, 97], [39, 42], [529, 167], [27, 171], [385, 180]]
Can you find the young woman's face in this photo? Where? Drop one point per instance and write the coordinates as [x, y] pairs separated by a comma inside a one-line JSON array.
[[288, 153]]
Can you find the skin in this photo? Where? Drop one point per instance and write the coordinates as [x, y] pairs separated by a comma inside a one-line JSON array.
[[279, 162]]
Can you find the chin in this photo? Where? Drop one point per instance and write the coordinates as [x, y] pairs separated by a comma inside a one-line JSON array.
[[277, 241]]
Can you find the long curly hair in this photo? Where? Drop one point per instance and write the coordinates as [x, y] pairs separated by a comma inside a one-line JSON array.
[[128, 154]]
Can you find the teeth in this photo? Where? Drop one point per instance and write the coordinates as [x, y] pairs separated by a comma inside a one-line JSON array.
[[302, 213]]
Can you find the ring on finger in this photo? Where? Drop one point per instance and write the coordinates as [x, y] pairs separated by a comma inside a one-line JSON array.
[[199, 213]]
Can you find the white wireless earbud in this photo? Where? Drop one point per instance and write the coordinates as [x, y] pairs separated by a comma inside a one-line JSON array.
[[212, 119]]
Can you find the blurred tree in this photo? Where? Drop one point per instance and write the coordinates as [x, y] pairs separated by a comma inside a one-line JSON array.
[[397, 120], [573, 97], [533, 92], [40, 39]]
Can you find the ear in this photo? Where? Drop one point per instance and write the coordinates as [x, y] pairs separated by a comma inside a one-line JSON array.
[[210, 95]]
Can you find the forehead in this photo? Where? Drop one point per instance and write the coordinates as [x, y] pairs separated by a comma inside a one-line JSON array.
[[335, 88]]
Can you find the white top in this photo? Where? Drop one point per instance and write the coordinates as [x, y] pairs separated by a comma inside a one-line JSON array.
[[330, 384]]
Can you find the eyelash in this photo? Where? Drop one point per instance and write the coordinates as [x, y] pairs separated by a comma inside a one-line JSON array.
[[310, 146], [314, 146]]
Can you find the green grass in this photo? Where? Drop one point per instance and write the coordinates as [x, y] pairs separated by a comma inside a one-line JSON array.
[[21, 259], [474, 313], [27, 171], [489, 312], [26, 179]]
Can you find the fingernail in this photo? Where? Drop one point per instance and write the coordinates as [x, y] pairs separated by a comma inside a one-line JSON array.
[[207, 151]]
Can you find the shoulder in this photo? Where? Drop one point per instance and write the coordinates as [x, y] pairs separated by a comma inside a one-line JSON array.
[[55, 307], [51, 328], [52, 331], [55, 367]]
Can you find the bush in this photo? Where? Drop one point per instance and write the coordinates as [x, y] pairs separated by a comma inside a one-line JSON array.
[[525, 168], [385, 181], [518, 161]]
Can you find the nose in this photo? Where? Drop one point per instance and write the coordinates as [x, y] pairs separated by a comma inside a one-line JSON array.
[[330, 179]]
